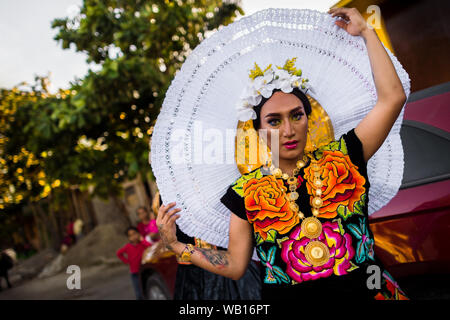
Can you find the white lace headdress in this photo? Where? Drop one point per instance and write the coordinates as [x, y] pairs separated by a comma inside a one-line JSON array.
[[192, 146]]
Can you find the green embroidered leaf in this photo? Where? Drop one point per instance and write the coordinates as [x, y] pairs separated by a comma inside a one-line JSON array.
[[280, 274], [259, 240], [344, 211], [261, 254], [341, 228], [239, 184], [358, 206], [363, 199], [279, 241], [318, 153], [353, 267], [333, 146], [271, 235], [336, 145], [343, 148]]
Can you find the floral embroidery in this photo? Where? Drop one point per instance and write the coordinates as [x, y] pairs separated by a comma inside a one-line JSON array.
[[267, 208], [392, 289], [339, 145], [274, 274], [364, 248], [343, 185], [278, 230], [237, 186], [345, 212], [339, 244]]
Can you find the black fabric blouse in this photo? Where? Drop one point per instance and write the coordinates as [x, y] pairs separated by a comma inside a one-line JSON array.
[[352, 269]]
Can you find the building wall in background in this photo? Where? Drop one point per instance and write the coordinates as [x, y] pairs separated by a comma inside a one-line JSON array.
[[418, 32]]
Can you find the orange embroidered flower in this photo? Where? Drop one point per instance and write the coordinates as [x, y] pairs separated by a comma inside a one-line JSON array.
[[342, 183], [267, 207]]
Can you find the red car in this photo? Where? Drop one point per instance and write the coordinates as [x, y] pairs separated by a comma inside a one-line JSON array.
[[158, 273], [412, 232]]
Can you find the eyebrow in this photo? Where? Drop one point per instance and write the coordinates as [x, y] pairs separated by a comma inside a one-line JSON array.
[[299, 108]]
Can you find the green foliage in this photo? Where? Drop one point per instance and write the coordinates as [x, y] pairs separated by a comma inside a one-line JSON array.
[[97, 132]]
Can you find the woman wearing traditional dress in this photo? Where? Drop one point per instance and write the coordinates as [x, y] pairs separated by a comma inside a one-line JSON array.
[[306, 212], [195, 283]]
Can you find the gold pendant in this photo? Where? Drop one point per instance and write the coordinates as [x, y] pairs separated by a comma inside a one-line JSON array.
[[317, 253], [311, 227], [292, 180], [300, 164], [277, 173], [317, 202], [294, 207], [293, 196]]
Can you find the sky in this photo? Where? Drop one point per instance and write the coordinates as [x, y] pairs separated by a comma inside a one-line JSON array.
[[27, 47]]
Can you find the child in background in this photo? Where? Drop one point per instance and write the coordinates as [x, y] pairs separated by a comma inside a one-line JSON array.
[[131, 254], [147, 225]]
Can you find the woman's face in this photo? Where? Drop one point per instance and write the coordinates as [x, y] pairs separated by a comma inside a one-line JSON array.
[[285, 112], [142, 214]]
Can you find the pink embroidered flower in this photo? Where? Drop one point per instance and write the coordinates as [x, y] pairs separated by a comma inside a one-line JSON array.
[[341, 253]]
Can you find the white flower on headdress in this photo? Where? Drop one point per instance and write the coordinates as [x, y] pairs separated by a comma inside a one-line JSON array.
[[264, 85], [245, 111], [251, 96], [264, 82], [281, 75]]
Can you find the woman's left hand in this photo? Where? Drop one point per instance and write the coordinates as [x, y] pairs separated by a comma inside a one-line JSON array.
[[353, 22], [166, 224]]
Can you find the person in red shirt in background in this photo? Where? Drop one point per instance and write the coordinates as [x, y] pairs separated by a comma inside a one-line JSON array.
[[147, 225], [131, 254]]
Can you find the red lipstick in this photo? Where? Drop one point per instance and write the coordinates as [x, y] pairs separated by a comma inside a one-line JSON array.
[[291, 144]]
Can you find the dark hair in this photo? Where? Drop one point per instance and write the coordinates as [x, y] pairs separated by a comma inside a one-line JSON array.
[[296, 91], [131, 228], [143, 208]]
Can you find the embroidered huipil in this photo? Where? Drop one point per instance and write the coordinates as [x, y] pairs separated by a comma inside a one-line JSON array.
[[259, 198]]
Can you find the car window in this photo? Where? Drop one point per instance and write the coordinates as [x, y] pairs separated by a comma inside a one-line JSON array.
[[426, 152]]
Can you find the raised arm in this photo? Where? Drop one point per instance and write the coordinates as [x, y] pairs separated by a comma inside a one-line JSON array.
[[121, 254], [231, 263], [373, 129]]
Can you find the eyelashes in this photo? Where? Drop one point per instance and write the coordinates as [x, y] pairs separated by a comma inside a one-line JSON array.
[[271, 122], [298, 114], [275, 121]]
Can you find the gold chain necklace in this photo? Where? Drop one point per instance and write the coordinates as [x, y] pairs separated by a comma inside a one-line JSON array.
[[316, 252]]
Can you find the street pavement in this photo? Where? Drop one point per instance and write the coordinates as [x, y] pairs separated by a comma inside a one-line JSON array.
[[100, 282]]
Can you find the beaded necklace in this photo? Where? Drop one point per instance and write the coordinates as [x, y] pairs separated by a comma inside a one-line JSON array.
[[316, 252]]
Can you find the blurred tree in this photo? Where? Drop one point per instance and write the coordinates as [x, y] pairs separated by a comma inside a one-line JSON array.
[[34, 153], [27, 136], [138, 46], [96, 133]]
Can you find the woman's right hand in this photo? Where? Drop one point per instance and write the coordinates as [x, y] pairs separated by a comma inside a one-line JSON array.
[[166, 224]]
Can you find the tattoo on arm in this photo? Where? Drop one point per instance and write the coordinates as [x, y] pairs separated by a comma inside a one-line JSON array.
[[164, 238], [217, 258]]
